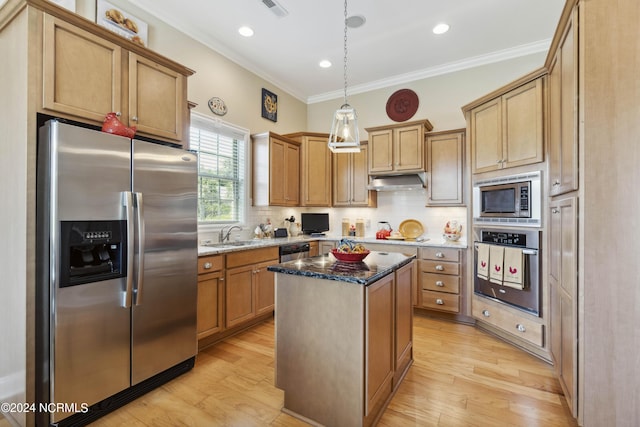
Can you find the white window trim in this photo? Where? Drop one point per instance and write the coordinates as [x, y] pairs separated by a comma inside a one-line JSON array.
[[241, 134]]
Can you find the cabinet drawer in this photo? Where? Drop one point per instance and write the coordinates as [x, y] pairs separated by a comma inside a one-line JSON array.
[[440, 283], [439, 267], [444, 254], [252, 256], [441, 301], [512, 323], [210, 263]]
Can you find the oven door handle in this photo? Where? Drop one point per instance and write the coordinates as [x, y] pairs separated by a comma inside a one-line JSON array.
[[526, 251]]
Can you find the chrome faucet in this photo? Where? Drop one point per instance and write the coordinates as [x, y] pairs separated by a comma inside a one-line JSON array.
[[224, 236]]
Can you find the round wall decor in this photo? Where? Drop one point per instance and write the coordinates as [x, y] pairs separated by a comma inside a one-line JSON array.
[[217, 106], [402, 105]]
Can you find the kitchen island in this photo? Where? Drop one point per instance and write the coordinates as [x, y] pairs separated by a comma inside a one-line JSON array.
[[343, 336]]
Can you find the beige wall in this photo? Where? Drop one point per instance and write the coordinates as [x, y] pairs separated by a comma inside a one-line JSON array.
[[440, 97]]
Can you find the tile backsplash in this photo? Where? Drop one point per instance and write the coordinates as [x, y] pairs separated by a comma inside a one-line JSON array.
[[393, 207]]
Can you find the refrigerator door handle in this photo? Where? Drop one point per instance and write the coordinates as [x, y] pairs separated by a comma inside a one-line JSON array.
[[141, 248], [127, 202]]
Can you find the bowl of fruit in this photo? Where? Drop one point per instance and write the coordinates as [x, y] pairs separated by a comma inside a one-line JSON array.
[[348, 251]]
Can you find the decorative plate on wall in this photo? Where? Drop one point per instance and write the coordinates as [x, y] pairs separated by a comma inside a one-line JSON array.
[[217, 106], [402, 105]]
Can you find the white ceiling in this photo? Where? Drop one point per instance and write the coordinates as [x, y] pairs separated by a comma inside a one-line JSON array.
[[395, 45]]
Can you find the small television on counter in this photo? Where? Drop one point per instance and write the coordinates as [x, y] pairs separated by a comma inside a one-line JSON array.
[[315, 223]]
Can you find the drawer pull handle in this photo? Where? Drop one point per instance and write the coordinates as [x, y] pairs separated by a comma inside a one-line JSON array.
[[207, 265], [440, 283], [486, 313], [439, 301], [520, 327], [556, 183], [439, 255], [439, 268]]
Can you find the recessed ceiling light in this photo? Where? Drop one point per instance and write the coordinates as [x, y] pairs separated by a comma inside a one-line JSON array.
[[245, 31], [325, 63], [440, 28]]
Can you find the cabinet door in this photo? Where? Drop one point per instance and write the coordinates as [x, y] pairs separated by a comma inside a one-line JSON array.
[[403, 346], [522, 125], [563, 282], [316, 173], [563, 116], [292, 175], [82, 73], [277, 164], [210, 295], [342, 176], [445, 154], [407, 148], [157, 98], [379, 342], [264, 286], [381, 151], [239, 295], [486, 136], [360, 196]]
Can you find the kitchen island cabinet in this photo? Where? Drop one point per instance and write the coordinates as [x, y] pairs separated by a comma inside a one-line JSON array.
[[343, 336]]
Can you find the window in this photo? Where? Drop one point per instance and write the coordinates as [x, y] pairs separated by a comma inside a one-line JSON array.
[[221, 169]]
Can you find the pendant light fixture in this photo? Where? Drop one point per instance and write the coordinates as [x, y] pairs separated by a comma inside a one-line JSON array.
[[344, 136]]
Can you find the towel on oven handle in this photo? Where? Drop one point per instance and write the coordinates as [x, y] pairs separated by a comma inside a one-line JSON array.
[[513, 268], [496, 264], [482, 269]]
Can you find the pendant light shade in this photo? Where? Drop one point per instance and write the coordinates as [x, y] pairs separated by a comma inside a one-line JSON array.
[[344, 137]]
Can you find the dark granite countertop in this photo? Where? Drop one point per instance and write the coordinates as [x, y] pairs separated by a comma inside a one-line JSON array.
[[375, 266]]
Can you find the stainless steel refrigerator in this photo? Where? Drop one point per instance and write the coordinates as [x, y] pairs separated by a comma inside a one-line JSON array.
[[116, 269]]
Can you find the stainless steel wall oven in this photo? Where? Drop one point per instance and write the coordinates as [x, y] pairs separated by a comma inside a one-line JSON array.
[[526, 296]]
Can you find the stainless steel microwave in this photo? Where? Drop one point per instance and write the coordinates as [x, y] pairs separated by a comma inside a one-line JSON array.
[[508, 200]]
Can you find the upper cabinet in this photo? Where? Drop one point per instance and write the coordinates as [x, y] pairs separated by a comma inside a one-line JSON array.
[[350, 179], [397, 148], [506, 127], [315, 168], [563, 114], [276, 170], [445, 167], [87, 74]]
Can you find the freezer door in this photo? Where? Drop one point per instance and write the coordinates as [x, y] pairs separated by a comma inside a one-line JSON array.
[[89, 332], [164, 309]]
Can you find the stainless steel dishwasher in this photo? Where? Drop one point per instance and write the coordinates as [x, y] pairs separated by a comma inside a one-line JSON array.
[[291, 251]]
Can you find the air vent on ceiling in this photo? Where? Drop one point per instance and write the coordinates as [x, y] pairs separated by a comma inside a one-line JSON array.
[[276, 8]]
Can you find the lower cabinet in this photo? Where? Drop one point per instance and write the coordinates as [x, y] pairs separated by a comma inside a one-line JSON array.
[[210, 295], [440, 279], [521, 325], [249, 289], [403, 317]]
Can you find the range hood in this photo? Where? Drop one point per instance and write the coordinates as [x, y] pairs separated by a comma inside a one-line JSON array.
[[414, 181]]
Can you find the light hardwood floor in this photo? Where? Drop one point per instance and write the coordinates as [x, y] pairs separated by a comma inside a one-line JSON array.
[[461, 376]]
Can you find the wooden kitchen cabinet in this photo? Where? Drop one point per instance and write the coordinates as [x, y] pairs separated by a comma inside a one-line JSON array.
[[445, 168], [403, 320], [325, 246], [350, 179], [440, 278], [315, 168], [210, 295], [506, 127], [276, 170], [314, 248], [249, 287], [397, 148], [85, 76], [563, 288], [563, 113]]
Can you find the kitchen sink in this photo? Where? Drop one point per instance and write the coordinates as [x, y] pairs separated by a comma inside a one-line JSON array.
[[229, 244]]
